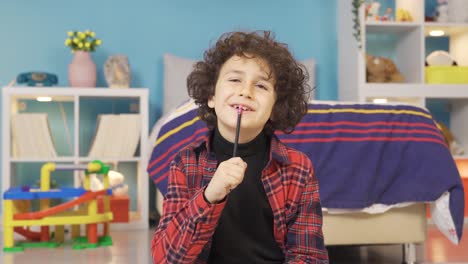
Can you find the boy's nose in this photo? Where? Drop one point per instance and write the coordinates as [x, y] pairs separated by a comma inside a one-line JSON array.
[[246, 91]]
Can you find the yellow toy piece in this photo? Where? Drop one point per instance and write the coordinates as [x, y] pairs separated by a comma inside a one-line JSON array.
[[403, 15]]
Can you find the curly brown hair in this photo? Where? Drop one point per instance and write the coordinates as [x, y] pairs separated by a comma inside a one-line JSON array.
[[291, 77]]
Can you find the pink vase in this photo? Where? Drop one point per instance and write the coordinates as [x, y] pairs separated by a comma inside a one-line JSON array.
[[82, 70]]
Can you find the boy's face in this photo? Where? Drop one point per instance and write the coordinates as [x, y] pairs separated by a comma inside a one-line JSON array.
[[246, 82]]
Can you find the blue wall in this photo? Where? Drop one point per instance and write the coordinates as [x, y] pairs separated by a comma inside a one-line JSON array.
[[33, 32]]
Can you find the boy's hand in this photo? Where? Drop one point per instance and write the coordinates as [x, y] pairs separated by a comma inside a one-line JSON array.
[[229, 174]]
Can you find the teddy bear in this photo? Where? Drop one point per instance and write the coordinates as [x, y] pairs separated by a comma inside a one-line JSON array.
[[116, 183], [381, 69]]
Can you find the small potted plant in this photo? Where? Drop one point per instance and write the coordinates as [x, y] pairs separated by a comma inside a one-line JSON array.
[[82, 69]]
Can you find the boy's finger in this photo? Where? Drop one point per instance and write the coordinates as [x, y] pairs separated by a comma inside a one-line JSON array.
[[238, 161]]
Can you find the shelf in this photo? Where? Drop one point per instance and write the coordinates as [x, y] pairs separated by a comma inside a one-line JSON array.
[[81, 108], [32, 92], [72, 159], [407, 44], [55, 98], [415, 90], [58, 159], [105, 160], [390, 26]]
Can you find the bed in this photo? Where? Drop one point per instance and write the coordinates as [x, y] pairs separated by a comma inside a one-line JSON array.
[[378, 167]]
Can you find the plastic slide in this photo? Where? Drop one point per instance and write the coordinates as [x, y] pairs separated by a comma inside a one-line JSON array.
[[59, 208]]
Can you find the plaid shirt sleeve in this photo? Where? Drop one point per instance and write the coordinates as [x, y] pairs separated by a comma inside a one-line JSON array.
[[305, 242], [188, 222]]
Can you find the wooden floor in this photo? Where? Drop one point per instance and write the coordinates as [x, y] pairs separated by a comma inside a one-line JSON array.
[[133, 247]]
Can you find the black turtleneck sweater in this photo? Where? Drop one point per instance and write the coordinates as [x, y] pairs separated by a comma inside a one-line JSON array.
[[245, 230]]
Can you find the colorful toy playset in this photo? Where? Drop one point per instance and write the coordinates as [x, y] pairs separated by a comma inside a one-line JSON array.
[[82, 209]]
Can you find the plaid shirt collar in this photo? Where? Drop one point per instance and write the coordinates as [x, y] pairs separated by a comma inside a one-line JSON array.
[[278, 150]]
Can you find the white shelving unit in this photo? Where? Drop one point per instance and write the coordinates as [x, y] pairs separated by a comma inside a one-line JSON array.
[[13, 95], [404, 43]]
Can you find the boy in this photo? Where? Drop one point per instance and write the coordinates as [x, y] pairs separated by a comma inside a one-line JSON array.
[[262, 206]]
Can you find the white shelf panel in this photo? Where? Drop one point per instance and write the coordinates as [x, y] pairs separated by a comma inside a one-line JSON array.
[[87, 159], [32, 92], [390, 26], [58, 159], [72, 159], [55, 98], [415, 90]]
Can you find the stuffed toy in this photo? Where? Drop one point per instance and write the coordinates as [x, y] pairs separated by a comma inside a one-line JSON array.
[[453, 145], [440, 58], [116, 183], [380, 70], [442, 11]]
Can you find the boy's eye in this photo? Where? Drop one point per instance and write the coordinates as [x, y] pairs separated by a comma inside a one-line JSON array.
[[261, 86], [234, 80]]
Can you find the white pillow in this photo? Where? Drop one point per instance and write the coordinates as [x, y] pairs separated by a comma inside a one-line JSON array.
[[176, 70], [310, 67]]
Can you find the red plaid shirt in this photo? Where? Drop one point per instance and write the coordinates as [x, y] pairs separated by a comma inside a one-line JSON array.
[[188, 222]]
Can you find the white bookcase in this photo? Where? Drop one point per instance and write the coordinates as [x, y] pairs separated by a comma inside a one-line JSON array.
[[405, 42], [75, 98]]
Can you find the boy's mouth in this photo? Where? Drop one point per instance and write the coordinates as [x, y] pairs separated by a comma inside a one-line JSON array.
[[243, 107]]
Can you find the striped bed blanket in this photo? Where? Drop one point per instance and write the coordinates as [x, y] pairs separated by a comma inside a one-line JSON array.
[[363, 155]]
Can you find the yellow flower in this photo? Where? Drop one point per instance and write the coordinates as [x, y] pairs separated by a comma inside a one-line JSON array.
[[81, 35], [82, 41]]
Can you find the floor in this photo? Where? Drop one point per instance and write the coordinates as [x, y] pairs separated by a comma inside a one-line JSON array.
[[133, 247]]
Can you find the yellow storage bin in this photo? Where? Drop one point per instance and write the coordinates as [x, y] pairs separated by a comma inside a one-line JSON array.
[[446, 74]]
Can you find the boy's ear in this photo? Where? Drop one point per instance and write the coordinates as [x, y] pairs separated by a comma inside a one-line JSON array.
[[211, 103]]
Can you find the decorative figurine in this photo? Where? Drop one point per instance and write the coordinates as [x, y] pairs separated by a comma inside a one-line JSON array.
[[117, 71]]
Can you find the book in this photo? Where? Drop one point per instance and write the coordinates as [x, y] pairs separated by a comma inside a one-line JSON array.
[[116, 136], [31, 136]]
